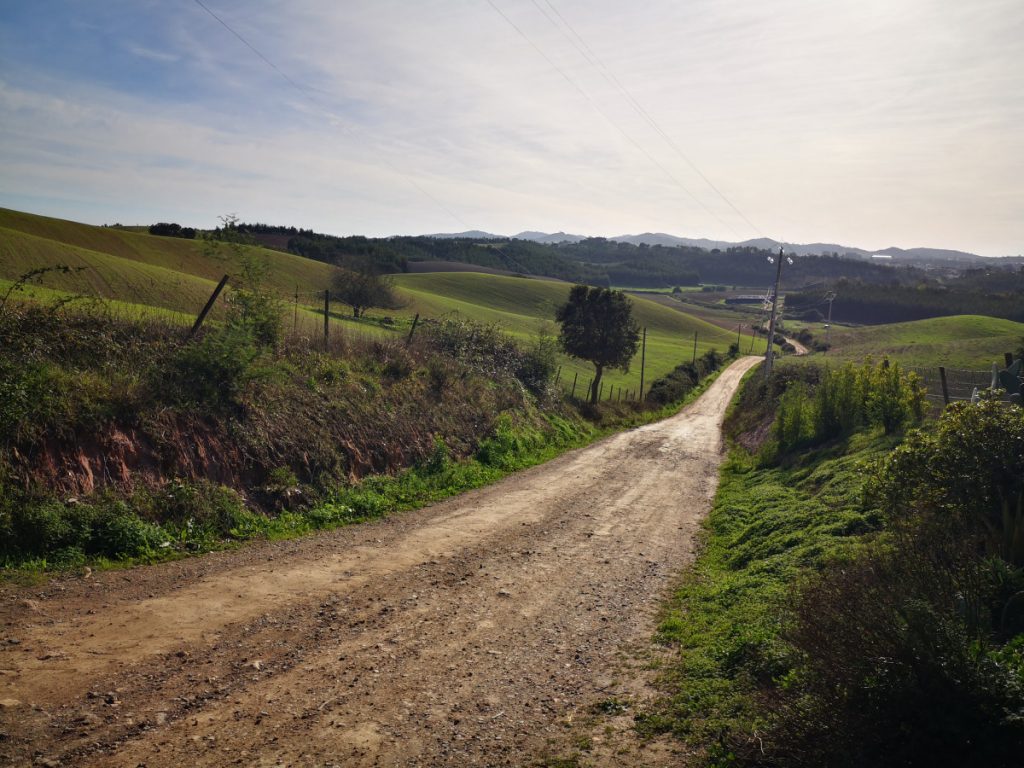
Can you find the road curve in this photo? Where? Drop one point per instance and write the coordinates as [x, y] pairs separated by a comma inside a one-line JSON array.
[[467, 633]]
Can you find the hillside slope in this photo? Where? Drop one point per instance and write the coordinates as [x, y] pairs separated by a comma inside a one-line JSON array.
[[959, 341], [139, 268]]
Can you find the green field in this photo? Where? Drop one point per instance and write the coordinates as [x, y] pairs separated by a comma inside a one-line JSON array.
[[961, 341], [136, 271], [524, 306], [139, 268]]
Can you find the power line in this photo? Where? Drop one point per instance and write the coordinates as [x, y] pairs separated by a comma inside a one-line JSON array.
[[602, 113], [595, 61], [334, 119]]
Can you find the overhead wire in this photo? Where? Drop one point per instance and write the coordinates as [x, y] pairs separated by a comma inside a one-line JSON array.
[[595, 61], [608, 119], [334, 119]]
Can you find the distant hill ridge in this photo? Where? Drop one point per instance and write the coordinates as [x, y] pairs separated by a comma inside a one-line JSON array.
[[800, 249]]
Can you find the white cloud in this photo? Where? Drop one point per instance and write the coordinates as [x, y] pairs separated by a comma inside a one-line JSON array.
[[861, 122]]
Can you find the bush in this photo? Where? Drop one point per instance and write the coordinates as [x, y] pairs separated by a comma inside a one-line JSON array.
[[212, 372], [913, 652], [675, 385], [845, 399]]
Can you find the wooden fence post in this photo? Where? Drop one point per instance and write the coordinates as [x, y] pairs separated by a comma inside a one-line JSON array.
[[327, 317], [945, 387], [574, 377], [412, 330], [209, 305], [694, 347], [643, 359]]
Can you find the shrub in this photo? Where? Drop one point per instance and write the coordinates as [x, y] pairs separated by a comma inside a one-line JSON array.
[[912, 649], [209, 373]]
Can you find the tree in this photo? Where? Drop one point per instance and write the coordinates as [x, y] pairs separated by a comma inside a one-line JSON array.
[[598, 326], [361, 287]]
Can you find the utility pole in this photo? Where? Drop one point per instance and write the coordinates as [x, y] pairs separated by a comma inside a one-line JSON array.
[[829, 297], [769, 353]]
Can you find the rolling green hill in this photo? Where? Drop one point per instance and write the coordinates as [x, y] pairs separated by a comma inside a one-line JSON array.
[[960, 341], [139, 268], [521, 307], [136, 271]]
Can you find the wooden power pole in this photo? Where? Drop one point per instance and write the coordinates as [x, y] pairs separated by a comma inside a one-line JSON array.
[[769, 353]]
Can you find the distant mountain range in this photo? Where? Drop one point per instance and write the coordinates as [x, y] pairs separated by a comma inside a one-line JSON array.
[[660, 238]]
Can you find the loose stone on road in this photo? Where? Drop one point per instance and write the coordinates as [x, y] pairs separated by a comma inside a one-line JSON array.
[[471, 632]]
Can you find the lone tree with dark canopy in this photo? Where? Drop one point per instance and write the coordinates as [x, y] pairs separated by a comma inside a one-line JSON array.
[[359, 285], [598, 326]]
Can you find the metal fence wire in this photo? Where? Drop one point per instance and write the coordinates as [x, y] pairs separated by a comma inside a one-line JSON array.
[[961, 383]]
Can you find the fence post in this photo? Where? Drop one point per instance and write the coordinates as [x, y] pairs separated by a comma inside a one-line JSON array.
[[574, 377], [945, 387], [558, 376], [694, 347], [643, 359], [412, 330], [1008, 358], [208, 307], [327, 316], [295, 322]]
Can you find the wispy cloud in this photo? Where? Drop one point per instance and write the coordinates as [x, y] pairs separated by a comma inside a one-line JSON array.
[[153, 55], [857, 121]]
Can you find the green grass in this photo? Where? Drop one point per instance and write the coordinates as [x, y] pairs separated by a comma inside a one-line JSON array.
[[960, 341], [139, 269], [767, 529], [522, 306], [136, 267]]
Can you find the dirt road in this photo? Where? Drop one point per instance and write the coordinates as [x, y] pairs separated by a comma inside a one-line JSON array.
[[468, 633]]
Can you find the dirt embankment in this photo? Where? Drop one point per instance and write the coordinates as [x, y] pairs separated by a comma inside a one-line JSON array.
[[468, 633]]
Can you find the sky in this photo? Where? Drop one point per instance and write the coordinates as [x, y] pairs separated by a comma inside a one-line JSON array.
[[869, 123]]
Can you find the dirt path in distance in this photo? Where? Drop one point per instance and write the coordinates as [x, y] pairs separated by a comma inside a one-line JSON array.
[[471, 632]]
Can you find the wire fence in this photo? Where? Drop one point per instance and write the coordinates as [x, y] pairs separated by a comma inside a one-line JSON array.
[[960, 384]]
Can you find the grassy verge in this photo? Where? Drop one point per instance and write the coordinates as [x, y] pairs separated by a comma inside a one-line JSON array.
[[768, 527], [296, 433], [856, 599]]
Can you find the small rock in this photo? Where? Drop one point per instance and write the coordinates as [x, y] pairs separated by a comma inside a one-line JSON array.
[[9, 703], [504, 593], [257, 665], [160, 718]]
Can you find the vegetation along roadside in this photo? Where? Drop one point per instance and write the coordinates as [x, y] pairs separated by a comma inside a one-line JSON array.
[[121, 441], [858, 597]]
